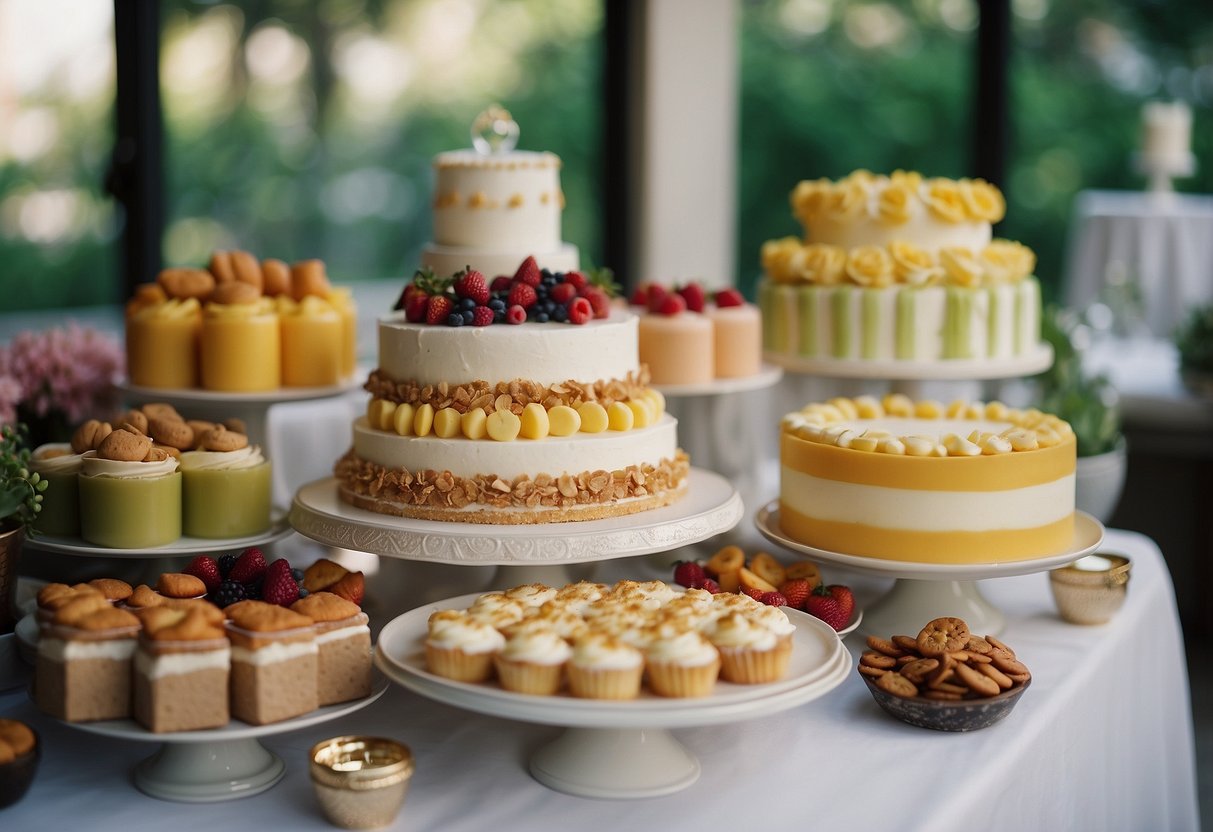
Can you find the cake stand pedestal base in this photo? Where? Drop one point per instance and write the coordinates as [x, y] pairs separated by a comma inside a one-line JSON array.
[[208, 772], [911, 603], [615, 763]]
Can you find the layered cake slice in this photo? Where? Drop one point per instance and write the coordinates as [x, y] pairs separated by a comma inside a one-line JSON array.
[[181, 670], [83, 671], [275, 662], [343, 641]]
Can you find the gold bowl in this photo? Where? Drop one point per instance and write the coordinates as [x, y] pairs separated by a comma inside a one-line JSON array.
[[1089, 591], [361, 782]]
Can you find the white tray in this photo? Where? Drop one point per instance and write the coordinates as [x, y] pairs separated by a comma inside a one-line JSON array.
[[954, 369]]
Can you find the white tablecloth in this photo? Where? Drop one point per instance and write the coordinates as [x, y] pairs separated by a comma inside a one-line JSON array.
[[1102, 740], [1163, 241]]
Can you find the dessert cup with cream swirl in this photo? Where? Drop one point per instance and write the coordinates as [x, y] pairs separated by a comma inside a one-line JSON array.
[[129, 505], [225, 494], [59, 465]]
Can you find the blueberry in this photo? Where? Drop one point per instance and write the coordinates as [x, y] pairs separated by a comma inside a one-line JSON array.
[[467, 303], [545, 273], [560, 314], [496, 303], [469, 315], [297, 575], [541, 318], [498, 316], [454, 319], [550, 306]]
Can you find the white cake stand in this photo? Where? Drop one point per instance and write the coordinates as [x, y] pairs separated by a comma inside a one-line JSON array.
[[924, 591], [617, 749], [767, 376], [181, 547], [217, 764], [1036, 360]]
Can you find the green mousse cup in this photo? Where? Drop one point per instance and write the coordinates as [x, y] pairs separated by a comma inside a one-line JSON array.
[[60, 514], [226, 503], [130, 512]]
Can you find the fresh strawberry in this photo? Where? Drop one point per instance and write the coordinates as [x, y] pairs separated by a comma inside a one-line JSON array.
[[280, 586], [710, 585], [796, 590], [580, 311], [352, 587], [248, 567], [826, 607], [501, 284], [471, 284], [692, 293], [528, 272], [729, 297], [482, 316], [774, 599], [690, 574], [577, 279], [756, 594], [415, 307], [522, 294], [672, 304], [562, 293], [657, 296], [515, 315], [206, 569], [641, 296], [437, 310], [600, 302], [842, 594]]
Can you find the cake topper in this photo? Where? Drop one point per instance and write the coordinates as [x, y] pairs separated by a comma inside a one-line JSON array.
[[494, 131]]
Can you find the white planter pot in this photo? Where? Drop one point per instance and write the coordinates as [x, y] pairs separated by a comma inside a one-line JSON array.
[[1099, 481]]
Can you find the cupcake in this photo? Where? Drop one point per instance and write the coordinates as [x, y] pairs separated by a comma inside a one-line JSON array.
[[495, 609], [532, 661], [58, 464], [531, 595], [461, 648], [750, 652], [130, 493], [578, 596], [602, 667], [226, 487], [682, 664]]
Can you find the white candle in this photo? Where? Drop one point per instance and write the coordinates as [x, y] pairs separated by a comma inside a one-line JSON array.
[[1167, 131]]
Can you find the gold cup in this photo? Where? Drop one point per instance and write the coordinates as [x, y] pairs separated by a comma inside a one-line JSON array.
[[1088, 591], [361, 782]]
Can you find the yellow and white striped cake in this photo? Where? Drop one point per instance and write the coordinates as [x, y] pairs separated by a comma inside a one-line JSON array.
[[921, 482]]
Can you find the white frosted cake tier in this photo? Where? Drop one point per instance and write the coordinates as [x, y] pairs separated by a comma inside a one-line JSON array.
[[554, 455], [547, 353], [498, 201], [492, 262]]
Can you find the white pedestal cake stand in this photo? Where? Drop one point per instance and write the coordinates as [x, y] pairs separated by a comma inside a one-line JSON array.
[[219, 763], [924, 591], [617, 749], [1034, 361]]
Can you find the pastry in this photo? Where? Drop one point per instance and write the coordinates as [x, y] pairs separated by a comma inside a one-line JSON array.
[[344, 646], [83, 669], [275, 664], [182, 666]]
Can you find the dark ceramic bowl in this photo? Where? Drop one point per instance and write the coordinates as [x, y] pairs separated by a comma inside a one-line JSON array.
[[17, 775], [944, 715]]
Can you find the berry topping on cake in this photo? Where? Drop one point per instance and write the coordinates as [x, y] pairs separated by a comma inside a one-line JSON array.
[[711, 586], [599, 300], [280, 585], [576, 279], [656, 295], [528, 272], [228, 593], [580, 311], [438, 309], [226, 562], [692, 293], [670, 304], [482, 316], [471, 284], [522, 294], [563, 292], [729, 297], [249, 567], [640, 297], [206, 569], [415, 307], [501, 284], [515, 315]]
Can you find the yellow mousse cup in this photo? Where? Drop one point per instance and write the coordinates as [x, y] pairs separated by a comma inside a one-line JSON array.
[[241, 350], [162, 345], [312, 342], [60, 514], [130, 512], [342, 300], [226, 503]]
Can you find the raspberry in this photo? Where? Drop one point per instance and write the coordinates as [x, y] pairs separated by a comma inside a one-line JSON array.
[[528, 273], [248, 567], [670, 305], [600, 302], [515, 315], [206, 569], [280, 586], [522, 294], [773, 599], [729, 297], [795, 590], [500, 284], [563, 292], [580, 311], [690, 574], [482, 316], [471, 284], [577, 279], [692, 293], [438, 309]]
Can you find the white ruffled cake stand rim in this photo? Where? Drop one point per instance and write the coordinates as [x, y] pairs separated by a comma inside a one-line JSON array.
[[1035, 361]]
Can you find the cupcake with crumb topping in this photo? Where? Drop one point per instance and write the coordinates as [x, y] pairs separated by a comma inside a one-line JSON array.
[[533, 661], [602, 667], [750, 652], [681, 663], [461, 648]]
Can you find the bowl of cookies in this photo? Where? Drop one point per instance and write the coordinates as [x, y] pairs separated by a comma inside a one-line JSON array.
[[19, 756], [945, 678]]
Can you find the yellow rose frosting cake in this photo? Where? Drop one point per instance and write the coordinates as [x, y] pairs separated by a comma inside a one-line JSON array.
[[920, 482], [898, 267]]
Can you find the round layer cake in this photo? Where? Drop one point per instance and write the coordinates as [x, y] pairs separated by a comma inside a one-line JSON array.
[[918, 482], [531, 423], [898, 267]]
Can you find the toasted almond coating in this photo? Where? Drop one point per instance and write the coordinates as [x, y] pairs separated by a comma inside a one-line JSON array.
[[185, 283], [235, 293], [171, 432], [276, 277], [89, 435], [221, 267], [247, 270], [308, 277], [124, 446], [222, 439]]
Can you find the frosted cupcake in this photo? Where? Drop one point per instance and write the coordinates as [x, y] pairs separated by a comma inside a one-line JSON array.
[[495, 609], [531, 595], [58, 464], [461, 648], [682, 664], [130, 493], [226, 487], [750, 652], [576, 597], [603, 667], [533, 662]]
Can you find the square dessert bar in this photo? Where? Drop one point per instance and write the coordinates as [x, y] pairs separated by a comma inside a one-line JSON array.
[[344, 642], [83, 671], [182, 665], [275, 662]]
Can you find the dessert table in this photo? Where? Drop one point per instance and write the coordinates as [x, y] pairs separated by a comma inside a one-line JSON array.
[[1103, 740]]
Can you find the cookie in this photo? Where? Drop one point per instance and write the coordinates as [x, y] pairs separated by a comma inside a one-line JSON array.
[[160, 410], [873, 659], [897, 685], [883, 645], [247, 270], [136, 419], [978, 645], [918, 669], [977, 681], [907, 643], [943, 635], [994, 642], [223, 440], [124, 446], [276, 278], [236, 293], [309, 278], [1001, 679], [89, 435], [180, 585], [221, 267], [874, 672], [183, 283], [172, 432]]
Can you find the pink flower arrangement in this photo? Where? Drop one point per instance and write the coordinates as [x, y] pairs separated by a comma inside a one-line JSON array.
[[58, 375]]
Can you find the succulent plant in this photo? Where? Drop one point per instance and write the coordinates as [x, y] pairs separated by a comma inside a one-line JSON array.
[[1089, 403], [21, 491]]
